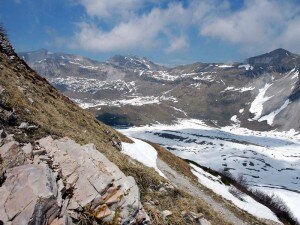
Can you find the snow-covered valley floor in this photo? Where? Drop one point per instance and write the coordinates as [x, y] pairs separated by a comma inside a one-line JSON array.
[[270, 161]]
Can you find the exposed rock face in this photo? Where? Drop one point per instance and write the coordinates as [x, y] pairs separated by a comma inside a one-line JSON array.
[[29, 195], [62, 182]]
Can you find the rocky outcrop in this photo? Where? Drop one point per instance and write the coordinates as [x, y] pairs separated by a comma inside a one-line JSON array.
[[62, 182]]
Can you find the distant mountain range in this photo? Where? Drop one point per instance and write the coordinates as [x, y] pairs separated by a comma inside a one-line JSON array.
[[261, 93]]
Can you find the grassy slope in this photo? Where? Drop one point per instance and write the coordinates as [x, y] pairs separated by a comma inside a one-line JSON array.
[[184, 168], [56, 115]]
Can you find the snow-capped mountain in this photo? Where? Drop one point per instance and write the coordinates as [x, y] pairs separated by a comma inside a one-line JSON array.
[[261, 93]]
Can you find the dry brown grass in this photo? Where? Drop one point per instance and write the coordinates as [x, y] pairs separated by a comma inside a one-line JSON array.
[[183, 167], [56, 115], [173, 161]]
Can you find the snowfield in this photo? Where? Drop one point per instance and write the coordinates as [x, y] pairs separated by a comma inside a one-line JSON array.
[[269, 161], [142, 152]]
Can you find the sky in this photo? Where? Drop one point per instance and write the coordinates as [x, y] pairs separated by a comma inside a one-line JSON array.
[[169, 32]]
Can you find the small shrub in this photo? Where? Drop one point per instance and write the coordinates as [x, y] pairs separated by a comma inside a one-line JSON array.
[[274, 203], [277, 206]]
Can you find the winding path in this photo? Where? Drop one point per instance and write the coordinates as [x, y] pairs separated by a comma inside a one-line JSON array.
[[182, 182]]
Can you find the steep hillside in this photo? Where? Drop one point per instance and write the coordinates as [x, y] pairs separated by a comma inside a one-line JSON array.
[[59, 173], [262, 93]]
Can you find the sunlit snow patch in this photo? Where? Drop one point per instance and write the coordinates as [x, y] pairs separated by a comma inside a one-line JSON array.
[[246, 66], [270, 117], [239, 199], [257, 104], [142, 152], [224, 66]]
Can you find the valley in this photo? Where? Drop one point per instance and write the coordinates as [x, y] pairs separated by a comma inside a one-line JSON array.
[[269, 161], [148, 112], [240, 119]]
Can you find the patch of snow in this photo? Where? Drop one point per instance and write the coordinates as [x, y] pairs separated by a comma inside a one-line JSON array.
[[243, 89], [224, 66], [142, 152], [141, 73], [167, 98], [296, 74], [132, 100], [241, 110], [41, 61], [77, 84], [234, 119], [246, 66], [179, 110], [270, 117], [257, 105], [242, 201], [290, 199], [208, 78]]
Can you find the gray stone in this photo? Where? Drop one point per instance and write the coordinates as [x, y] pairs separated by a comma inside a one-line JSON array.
[[29, 194], [39, 152], [31, 101], [166, 213], [204, 221], [24, 125], [6, 148], [27, 149]]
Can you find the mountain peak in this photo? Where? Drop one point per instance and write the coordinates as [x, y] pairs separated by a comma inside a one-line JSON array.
[[274, 58], [134, 62], [280, 52]]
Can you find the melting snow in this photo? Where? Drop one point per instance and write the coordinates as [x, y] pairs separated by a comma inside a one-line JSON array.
[[295, 75], [270, 117], [224, 66], [138, 101], [246, 66], [142, 152], [257, 105], [270, 161], [234, 119], [243, 89], [242, 201]]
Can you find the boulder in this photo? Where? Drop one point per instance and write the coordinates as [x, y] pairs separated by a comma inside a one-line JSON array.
[[29, 195]]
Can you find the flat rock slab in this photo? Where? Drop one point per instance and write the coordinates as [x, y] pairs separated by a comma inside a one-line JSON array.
[[28, 193], [65, 181]]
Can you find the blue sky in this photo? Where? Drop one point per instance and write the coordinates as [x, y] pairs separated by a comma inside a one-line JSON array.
[[166, 31]]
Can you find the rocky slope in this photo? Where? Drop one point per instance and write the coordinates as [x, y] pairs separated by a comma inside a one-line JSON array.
[[59, 165], [59, 181], [262, 92], [47, 181]]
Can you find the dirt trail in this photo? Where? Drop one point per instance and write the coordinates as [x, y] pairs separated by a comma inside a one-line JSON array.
[[183, 183]]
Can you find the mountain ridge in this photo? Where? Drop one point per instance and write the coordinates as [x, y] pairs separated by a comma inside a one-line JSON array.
[[123, 86], [57, 177], [274, 53]]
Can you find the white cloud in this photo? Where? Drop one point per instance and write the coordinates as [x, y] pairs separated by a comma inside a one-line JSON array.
[[111, 8], [139, 32], [177, 44], [260, 25]]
